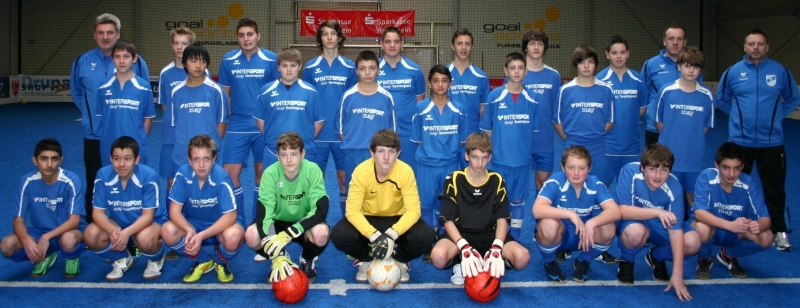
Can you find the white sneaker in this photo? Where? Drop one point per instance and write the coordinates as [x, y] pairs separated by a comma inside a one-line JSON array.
[[457, 278], [153, 269], [361, 276], [119, 267], [781, 242], [259, 258], [404, 269]]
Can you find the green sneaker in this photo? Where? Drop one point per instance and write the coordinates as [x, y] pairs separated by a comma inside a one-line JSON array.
[[42, 266], [73, 268], [224, 273], [197, 271]]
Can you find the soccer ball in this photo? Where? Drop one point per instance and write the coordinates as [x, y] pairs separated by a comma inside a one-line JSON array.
[[292, 289], [383, 275], [482, 288]]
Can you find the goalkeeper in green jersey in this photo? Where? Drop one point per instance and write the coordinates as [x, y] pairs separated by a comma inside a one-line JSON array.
[[292, 206]]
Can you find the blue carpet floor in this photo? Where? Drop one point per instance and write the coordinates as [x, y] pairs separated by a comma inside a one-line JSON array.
[[774, 276]]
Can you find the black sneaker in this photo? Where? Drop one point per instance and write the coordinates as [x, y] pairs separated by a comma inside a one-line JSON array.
[[608, 258], [703, 270], [309, 268], [582, 270], [554, 272], [660, 272], [732, 264], [625, 273], [563, 255]]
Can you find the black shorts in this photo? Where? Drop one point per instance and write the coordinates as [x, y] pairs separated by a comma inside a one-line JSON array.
[[481, 241]]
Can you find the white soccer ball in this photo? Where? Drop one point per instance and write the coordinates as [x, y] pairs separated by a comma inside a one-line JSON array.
[[384, 275]]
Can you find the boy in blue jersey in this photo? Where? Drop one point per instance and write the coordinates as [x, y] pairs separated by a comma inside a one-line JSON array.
[[199, 105], [288, 105], [203, 212], [585, 111], [331, 74], [660, 70], [365, 109], [758, 93], [48, 214], [630, 103], [405, 81], [242, 73], [127, 209], [684, 113], [544, 82], [651, 205], [510, 118], [570, 210], [729, 211], [475, 212], [125, 103], [439, 127], [469, 85], [89, 71]]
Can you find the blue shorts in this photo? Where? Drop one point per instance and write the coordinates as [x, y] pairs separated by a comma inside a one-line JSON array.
[[616, 162], [269, 158], [658, 235], [517, 180], [408, 152], [166, 166], [570, 240], [324, 149], [238, 146], [430, 181], [687, 179], [352, 158], [200, 226], [542, 161]]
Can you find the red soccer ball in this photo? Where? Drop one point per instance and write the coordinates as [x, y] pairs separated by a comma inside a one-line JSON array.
[[292, 289], [482, 288]]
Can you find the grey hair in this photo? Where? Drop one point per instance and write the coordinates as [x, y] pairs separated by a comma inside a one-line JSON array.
[[107, 18]]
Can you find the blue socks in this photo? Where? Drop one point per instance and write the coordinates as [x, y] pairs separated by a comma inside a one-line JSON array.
[[107, 253], [201, 256], [628, 254], [517, 211], [223, 255], [343, 202], [155, 257], [73, 254], [548, 252], [238, 196], [593, 252]]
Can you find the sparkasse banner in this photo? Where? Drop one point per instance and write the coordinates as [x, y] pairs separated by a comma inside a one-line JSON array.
[[358, 23]]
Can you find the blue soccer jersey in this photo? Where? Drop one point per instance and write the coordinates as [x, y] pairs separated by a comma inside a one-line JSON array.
[[630, 96], [125, 204], [471, 90], [295, 109], [584, 112], [440, 134], [659, 71], [562, 195], [122, 112], [170, 77], [197, 110], [685, 116], [45, 207], [405, 82], [207, 204], [245, 79], [744, 200], [89, 71], [545, 85], [632, 190], [331, 81], [361, 116], [512, 125]]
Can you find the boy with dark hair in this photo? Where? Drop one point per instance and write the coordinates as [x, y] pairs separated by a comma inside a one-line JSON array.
[[383, 209], [125, 103], [729, 211], [204, 212], [292, 207], [684, 113], [127, 210], [651, 205], [475, 212], [48, 214], [571, 210], [331, 74], [510, 118], [469, 84]]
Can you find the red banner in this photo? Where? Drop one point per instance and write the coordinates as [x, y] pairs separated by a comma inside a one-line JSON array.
[[358, 23]]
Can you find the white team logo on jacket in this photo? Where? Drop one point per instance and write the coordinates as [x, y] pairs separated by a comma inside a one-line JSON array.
[[771, 79]]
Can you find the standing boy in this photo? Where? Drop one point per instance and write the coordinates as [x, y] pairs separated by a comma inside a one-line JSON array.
[[469, 84]]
